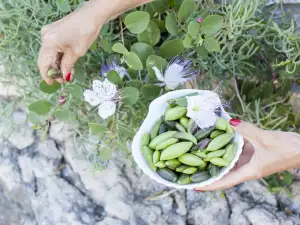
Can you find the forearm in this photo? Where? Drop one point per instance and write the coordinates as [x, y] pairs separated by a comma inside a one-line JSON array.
[[102, 11]]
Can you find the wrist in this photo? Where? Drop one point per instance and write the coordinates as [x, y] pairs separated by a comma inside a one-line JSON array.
[[285, 149], [106, 10]]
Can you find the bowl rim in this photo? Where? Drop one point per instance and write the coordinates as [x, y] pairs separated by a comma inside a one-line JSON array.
[[145, 128]]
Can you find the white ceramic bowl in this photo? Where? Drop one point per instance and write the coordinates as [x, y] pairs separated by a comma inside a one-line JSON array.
[[156, 109]]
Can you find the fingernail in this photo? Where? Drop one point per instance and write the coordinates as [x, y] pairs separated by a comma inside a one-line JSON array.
[[198, 190], [68, 77], [235, 122]]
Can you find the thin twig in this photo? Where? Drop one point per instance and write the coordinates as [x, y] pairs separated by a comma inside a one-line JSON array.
[[121, 29], [238, 94]]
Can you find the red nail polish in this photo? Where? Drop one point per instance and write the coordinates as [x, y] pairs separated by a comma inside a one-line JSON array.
[[198, 190], [235, 122], [68, 77]]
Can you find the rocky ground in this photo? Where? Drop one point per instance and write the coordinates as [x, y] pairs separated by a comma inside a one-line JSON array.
[[49, 183]]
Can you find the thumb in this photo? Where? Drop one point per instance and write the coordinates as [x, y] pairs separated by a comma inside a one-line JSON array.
[[67, 65], [247, 130]]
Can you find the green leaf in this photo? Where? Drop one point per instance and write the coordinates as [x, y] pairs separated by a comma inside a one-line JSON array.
[[129, 95], [49, 89], [193, 28], [211, 24], [186, 9], [97, 128], [134, 83], [80, 75], [104, 29], [202, 52], [150, 91], [287, 178], [171, 24], [211, 44], [136, 22], [94, 46], [105, 45], [142, 50], [160, 6], [120, 48], [114, 77], [155, 61], [63, 5], [64, 115], [160, 24], [133, 61], [41, 107], [171, 48], [33, 118], [106, 154], [125, 131], [187, 41], [75, 90], [150, 9], [151, 35], [177, 4]]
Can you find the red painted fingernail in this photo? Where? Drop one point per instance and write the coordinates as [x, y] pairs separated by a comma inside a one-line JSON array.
[[68, 77], [235, 122], [198, 190]]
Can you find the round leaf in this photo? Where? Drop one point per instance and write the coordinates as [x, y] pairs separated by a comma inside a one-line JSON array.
[[211, 44], [120, 48], [106, 154], [171, 48], [33, 118], [171, 24], [150, 91], [157, 61], [94, 46], [63, 5], [187, 42], [186, 9], [80, 75], [114, 77], [151, 35], [75, 90], [105, 45], [193, 28], [134, 83], [160, 6], [143, 50], [41, 107], [202, 52], [125, 131], [137, 22], [129, 95], [133, 61], [49, 89], [64, 115], [211, 24], [97, 128]]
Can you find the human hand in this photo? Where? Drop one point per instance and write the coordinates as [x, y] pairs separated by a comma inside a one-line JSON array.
[[264, 153], [66, 40]]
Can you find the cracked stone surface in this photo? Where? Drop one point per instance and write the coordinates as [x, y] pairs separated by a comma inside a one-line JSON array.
[[49, 183]]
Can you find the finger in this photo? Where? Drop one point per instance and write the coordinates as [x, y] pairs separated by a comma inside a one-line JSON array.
[[44, 63], [231, 179], [67, 65], [247, 130]]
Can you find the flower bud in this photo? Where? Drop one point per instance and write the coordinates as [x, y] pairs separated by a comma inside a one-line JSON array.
[[62, 100], [200, 19]]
